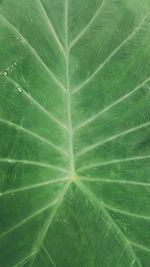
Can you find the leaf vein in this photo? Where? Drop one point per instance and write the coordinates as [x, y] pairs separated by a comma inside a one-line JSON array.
[[36, 136], [89, 166], [88, 121], [101, 66], [121, 211], [116, 228], [38, 105], [114, 137], [36, 163], [16, 31], [54, 181], [27, 219], [50, 219], [51, 27], [141, 247], [124, 182], [88, 25], [48, 255]]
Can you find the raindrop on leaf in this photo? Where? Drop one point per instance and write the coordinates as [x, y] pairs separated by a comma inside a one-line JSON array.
[[19, 89], [5, 73]]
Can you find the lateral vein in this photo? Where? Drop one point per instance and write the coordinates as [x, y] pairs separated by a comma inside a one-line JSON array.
[[36, 163], [16, 31], [36, 136], [49, 256], [114, 162], [101, 66], [88, 25], [46, 227], [28, 219], [51, 27], [88, 121], [98, 144], [38, 105], [25, 188], [130, 214], [123, 238], [115, 181]]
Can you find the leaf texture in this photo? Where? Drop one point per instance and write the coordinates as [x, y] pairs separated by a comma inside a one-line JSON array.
[[75, 133]]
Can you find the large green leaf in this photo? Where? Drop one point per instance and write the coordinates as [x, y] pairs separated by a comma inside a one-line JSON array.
[[75, 133]]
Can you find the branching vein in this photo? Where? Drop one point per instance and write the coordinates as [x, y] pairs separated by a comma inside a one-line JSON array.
[[24, 260], [28, 219], [139, 246]]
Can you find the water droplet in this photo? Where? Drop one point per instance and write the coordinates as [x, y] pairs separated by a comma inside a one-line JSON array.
[[19, 89], [15, 64], [17, 38], [5, 73]]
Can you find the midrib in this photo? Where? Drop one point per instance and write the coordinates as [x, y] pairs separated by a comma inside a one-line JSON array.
[[69, 117]]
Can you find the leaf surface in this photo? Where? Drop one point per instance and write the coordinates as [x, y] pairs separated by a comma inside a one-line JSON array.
[[75, 133]]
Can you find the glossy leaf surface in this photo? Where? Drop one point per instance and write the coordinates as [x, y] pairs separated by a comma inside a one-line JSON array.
[[74, 133]]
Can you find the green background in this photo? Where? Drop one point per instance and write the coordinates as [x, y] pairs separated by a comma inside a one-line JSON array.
[[74, 133]]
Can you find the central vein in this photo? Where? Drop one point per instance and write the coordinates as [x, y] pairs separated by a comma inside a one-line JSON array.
[[69, 119]]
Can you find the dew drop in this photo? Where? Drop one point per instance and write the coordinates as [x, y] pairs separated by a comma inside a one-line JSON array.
[[5, 73], [19, 89], [15, 64]]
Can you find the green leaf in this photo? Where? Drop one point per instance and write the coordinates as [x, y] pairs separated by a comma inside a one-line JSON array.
[[74, 133]]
